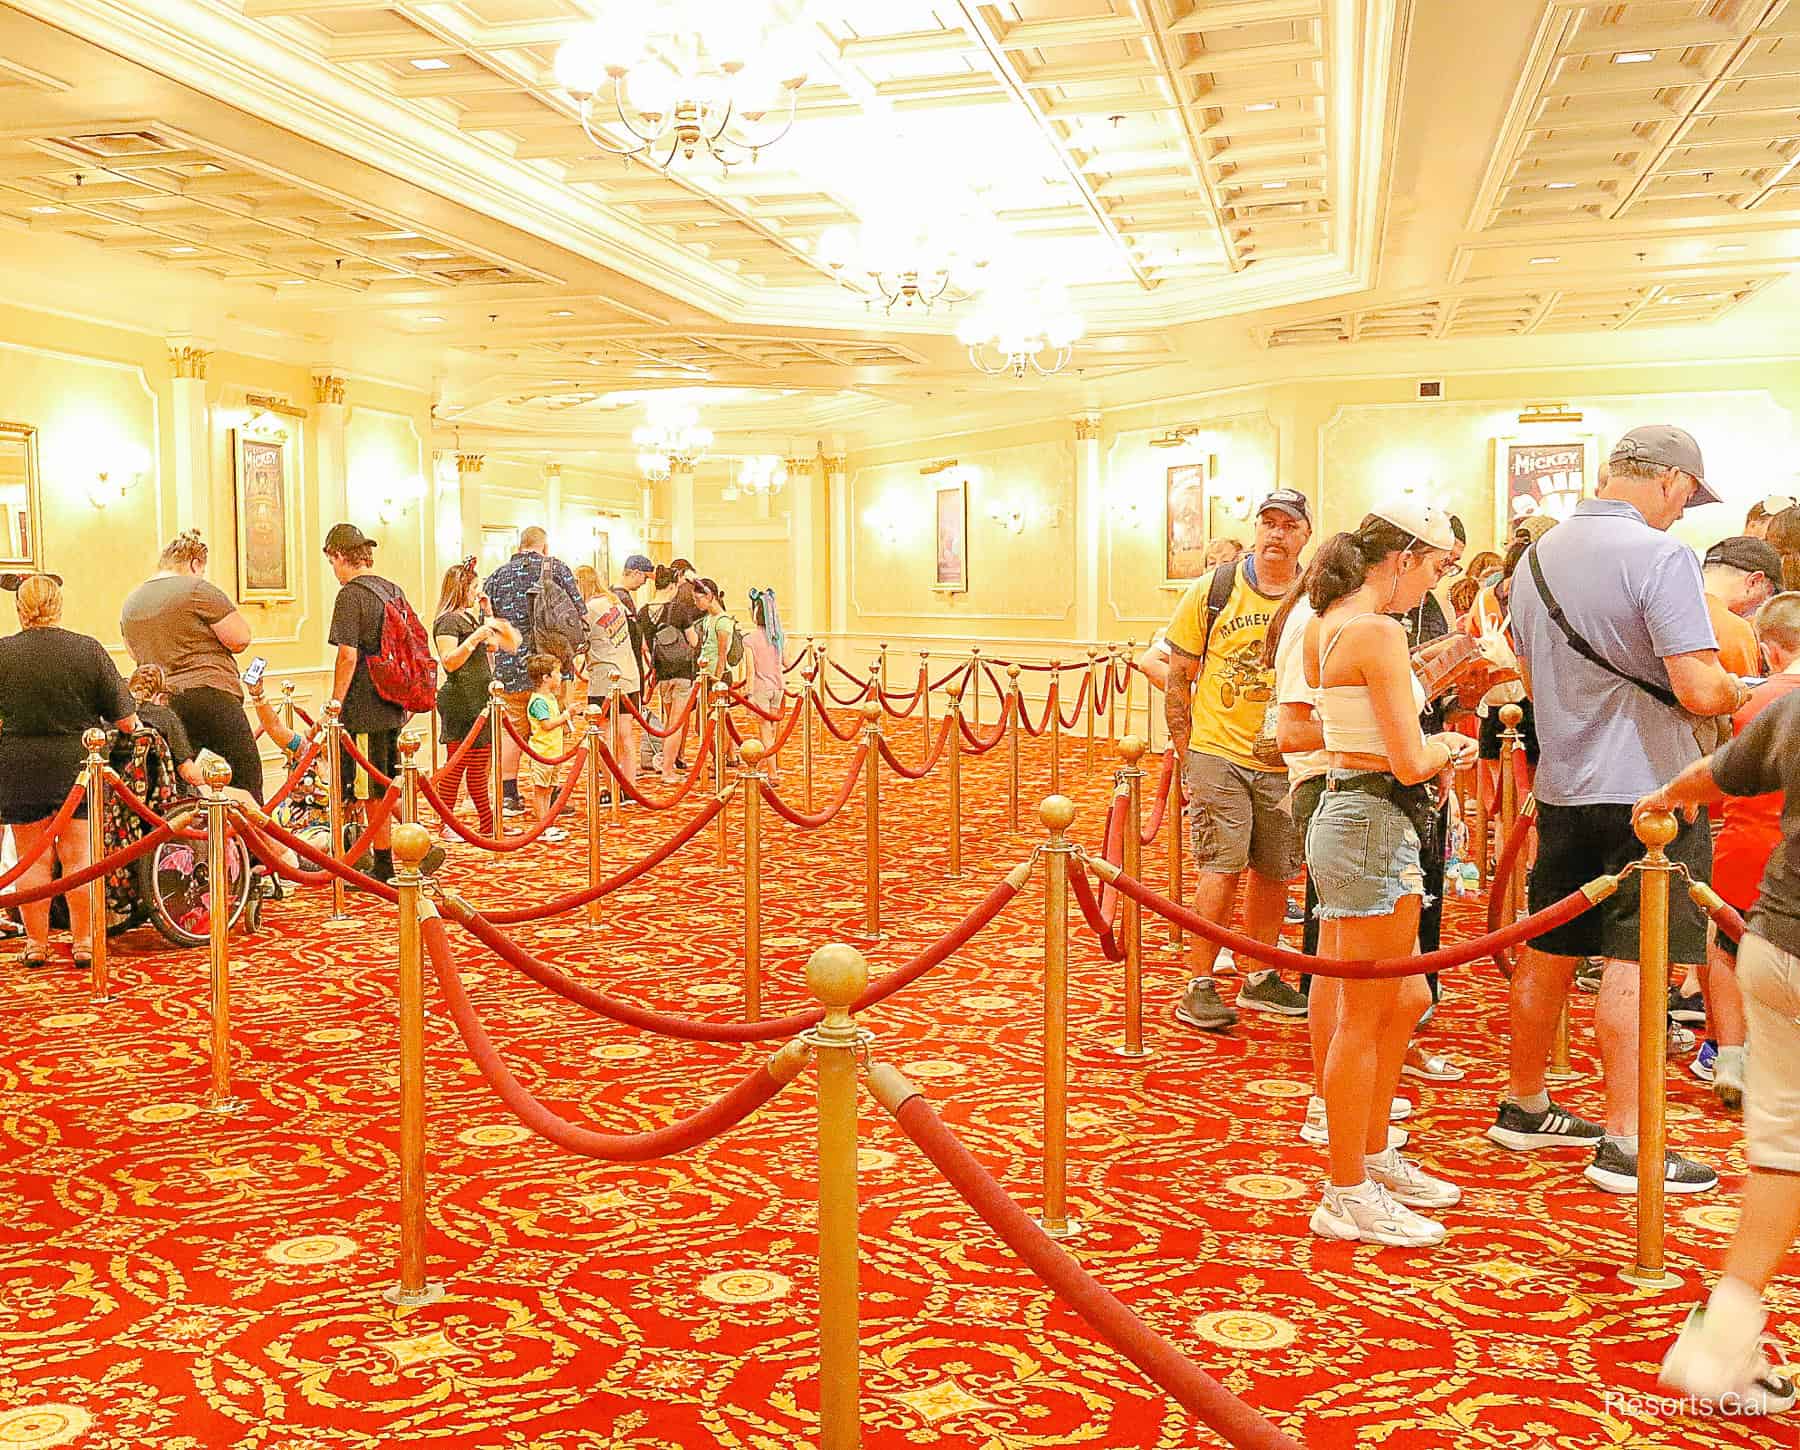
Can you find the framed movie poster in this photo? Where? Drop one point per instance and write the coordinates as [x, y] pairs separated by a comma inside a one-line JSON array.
[[1185, 518], [603, 555], [266, 545], [1532, 477], [952, 572]]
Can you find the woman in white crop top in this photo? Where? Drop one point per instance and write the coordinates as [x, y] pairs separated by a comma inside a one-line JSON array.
[[1363, 853]]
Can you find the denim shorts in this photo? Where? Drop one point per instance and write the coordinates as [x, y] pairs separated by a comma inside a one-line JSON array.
[[1363, 855]]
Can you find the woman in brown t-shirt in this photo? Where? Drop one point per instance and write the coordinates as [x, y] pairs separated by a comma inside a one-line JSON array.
[[191, 628]]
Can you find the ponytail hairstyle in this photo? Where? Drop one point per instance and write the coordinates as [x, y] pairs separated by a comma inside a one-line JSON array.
[[1344, 560], [1278, 624], [1784, 538], [662, 578], [185, 549]]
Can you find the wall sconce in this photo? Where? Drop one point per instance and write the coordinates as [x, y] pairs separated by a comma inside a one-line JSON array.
[[888, 520], [112, 483], [1014, 514], [1549, 413], [396, 498]]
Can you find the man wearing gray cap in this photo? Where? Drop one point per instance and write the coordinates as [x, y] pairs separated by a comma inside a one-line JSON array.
[[1619, 655]]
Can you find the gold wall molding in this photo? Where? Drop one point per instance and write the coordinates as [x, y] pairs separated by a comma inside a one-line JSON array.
[[328, 388], [189, 362], [1087, 427], [467, 463], [835, 462]]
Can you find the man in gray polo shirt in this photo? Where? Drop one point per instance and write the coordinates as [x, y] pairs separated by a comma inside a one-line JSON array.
[[1611, 627]]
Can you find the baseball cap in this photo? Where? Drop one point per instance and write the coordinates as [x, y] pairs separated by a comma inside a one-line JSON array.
[[1291, 502], [11, 582], [1424, 520], [641, 563], [1666, 446], [345, 537], [1753, 556]]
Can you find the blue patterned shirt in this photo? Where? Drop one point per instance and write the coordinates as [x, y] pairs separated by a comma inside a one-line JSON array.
[[508, 589]]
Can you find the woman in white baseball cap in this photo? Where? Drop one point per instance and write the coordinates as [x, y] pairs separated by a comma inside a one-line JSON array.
[[1363, 850]]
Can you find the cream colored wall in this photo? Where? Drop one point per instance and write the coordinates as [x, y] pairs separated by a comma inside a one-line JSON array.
[[1345, 444]]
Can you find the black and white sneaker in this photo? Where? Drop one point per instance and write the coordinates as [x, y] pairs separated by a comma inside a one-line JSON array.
[[1689, 1008], [1520, 1130], [1615, 1170]]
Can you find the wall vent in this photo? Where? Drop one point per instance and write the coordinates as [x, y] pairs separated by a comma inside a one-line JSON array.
[[1431, 388]]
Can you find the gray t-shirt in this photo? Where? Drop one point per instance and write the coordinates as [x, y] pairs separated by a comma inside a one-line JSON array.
[[1634, 594], [168, 622], [1765, 758]]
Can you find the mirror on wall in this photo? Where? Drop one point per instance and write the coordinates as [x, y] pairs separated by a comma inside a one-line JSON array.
[[21, 519]]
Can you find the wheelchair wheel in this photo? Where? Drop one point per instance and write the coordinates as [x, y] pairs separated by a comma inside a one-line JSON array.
[[172, 883]]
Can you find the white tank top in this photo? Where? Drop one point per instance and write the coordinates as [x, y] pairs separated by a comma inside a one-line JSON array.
[[1347, 712]]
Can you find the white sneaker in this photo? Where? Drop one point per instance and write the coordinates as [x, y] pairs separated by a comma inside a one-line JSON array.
[[1368, 1214], [1724, 1372], [1314, 1131], [1409, 1183], [554, 834]]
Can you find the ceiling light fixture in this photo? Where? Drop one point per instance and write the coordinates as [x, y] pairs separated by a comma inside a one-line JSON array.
[[430, 63], [1633, 57], [762, 475], [1176, 437], [1544, 261], [562, 312], [1260, 106], [1727, 248], [1015, 328], [431, 319], [688, 82], [1549, 413], [1561, 186], [1274, 186], [431, 256], [45, 210], [909, 259], [181, 251], [672, 437]]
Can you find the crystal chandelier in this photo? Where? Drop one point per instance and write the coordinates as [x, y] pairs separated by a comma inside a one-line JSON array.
[[911, 262], [672, 438], [763, 475], [1015, 329], [680, 78]]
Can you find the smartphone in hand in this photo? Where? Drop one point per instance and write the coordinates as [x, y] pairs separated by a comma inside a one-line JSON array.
[[253, 675]]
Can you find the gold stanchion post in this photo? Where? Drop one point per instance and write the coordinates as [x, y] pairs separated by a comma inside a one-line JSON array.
[[721, 743], [1510, 716], [95, 741], [287, 706], [616, 705], [408, 747], [750, 779], [595, 774], [975, 685], [881, 666], [806, 735], [1112, 695], [496, 733], [1131, 920], [411, 843], [1175, 823], [1056, 812], [871, 712], [925, 695], [1012, 745], [837, 975], [219, 1098], [334, 790], [431, 738], [1093, 709], [954, 749], [874, 689], [1656, 829], [1054, 726], [1479, 842], [1130, 706]]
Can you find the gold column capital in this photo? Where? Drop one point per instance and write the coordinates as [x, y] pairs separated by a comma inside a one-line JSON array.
[[798, 466], [467, 463], [553, 470], [835, 462], [328, 388], [1087, 426], [188, 361]]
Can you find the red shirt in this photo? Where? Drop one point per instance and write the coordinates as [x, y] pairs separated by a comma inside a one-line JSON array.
[[1749, 826]]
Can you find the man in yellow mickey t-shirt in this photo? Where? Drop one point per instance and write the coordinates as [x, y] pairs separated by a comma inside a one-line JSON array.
[[1217, 696]]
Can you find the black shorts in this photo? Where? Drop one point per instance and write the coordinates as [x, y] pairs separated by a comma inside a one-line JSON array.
[[1491, 728], [1578, 843], [382, 750]]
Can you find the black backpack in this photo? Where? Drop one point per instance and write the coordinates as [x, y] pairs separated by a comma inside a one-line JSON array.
[[670, 653], [552, 611], [1218, 595]]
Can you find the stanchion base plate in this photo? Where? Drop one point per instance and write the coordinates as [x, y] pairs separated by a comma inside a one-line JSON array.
[[227, 1108], [1069, 1228], [1651, 1281], [1129, 1054], [1567, 1074], [413, 1298], [342, 923]]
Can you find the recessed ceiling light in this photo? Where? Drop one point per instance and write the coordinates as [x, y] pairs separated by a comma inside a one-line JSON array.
[[1274, 186], [45, 210], [1544, 261], [181, 251], [206, 168], [293, 282], [1260, 106], [1562, 186], [432, 256], [1633, 57], [562, 312], [1727, 247], [430, 63], [431, 319]]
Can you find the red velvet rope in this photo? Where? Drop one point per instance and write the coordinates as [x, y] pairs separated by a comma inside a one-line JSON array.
[[105, 866], [1043, 722], [1728, 920], [693, 1029], [820, 818], [122, 793], [621, 878], [1087, 684], [296, 773], [1551, 917], [949, 675], [1113, 850], [1098, 923], [643, 798], [1509, 854], [678, 723], [738, 697], [525, 745], [1166, 790], [907, 772], [58, 823], [328, 865], [1195, 1390], [717, 1117], [349, 743], [454, 763], [825, 715], [311, 723], [980, 745], [505, 843]]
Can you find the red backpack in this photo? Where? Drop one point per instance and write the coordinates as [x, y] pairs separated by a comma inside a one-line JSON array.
[[403, 672]]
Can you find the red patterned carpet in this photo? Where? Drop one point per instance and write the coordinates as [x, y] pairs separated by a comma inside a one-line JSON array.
[[171, 1279]]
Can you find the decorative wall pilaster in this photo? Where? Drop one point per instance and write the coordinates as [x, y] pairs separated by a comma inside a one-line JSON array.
[[681, 508], [468, 498], [837, 488], [187, 426], [1090, 523]]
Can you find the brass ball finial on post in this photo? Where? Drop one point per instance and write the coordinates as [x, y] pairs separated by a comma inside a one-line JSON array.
[[407, 746], [837, 975]]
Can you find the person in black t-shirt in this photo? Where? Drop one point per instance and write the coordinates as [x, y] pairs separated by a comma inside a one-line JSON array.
[[356, 621]]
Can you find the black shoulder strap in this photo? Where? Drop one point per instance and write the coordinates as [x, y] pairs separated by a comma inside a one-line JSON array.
[[1218, 595], [1581, 646]]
